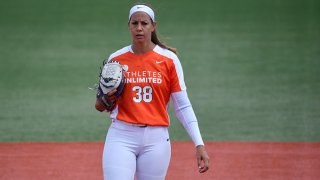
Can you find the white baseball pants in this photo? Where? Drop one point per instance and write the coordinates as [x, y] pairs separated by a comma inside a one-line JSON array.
[[136, 152]]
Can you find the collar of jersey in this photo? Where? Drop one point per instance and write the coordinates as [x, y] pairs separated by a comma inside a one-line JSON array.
[[154, 49]]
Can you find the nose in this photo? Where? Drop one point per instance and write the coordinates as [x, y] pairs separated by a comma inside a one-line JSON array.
[[139, 27]]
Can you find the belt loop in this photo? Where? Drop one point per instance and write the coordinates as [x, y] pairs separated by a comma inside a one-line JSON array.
[[143, 126]]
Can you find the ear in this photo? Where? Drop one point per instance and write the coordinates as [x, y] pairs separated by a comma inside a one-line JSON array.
[[154, 25]]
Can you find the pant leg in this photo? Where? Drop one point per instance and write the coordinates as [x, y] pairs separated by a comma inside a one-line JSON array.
[[153, 160], [119, 155]]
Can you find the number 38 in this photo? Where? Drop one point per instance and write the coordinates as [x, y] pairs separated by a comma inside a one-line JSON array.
[[142, 94]]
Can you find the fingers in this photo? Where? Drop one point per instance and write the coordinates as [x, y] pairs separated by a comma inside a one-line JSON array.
[[204, 165], [112, 92], [203, 159], [111, 96]]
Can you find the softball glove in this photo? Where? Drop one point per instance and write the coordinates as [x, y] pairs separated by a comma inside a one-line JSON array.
[[111, 78]]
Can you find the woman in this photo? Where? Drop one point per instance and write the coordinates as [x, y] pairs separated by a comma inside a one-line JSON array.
[[137, 143]]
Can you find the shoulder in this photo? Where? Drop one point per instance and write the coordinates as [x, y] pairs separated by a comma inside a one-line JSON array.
[[167, 53], [119, 52], [171, 56]]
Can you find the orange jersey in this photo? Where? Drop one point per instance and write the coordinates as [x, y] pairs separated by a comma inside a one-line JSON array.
[[150, 80]]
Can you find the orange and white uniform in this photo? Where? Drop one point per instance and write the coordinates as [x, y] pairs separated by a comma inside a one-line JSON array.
[[150, 80], [138, 135]]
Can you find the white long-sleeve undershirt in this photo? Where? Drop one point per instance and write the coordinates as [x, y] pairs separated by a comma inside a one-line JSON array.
[[186, 116]]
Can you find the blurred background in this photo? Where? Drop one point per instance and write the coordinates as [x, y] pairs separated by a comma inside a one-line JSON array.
[[252, 67]]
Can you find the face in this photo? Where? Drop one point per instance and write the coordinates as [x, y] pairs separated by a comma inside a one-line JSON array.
[[141, 27]]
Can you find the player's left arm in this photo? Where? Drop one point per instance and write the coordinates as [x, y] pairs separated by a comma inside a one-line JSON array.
[[185, 113], [187, 117]]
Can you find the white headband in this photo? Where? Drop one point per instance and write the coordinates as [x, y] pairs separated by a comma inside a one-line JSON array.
[[142, 8]]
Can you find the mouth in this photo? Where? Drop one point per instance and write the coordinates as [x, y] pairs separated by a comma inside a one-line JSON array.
[[139, 36]]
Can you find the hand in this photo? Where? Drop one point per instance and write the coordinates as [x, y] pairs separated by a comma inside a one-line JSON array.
[[203, 159], [111, 96], [106, 101]]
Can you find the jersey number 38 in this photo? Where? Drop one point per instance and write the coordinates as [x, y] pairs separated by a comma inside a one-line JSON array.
[[142, 94]]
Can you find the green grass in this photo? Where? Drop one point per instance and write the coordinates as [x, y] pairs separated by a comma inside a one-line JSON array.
[[252, 67]]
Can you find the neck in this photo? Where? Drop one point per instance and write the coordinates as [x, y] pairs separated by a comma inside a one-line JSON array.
[[142, 48]]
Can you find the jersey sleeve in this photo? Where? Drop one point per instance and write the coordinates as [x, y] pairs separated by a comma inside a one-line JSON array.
[[177, 77]]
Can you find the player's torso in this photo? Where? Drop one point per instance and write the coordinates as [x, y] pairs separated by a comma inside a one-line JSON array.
[[147, 90]]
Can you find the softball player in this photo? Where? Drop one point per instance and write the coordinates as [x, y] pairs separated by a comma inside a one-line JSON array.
[[137, 143]]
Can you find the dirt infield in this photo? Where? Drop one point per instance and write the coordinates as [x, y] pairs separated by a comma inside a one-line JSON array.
[[229, 160]]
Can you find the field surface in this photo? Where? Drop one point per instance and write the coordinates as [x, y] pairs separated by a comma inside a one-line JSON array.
[[252, 68], [230, 160]]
